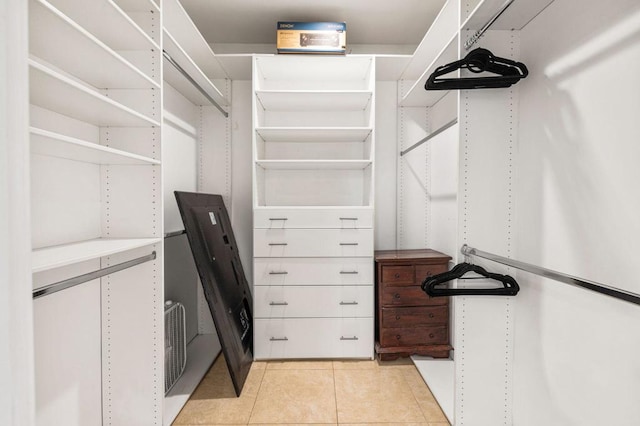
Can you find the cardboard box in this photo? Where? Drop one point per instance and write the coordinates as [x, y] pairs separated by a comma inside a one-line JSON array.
[[312, 37]]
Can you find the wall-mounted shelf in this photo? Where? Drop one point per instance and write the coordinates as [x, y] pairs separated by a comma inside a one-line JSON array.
[[177, 22], [129, 36], [515, 16], [310, 100], [313, 164], [417, 95], [54, 91], [113, 72], [57, 256], [313, 134], [53, 144]]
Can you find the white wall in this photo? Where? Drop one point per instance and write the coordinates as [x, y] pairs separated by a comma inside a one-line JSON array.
[[16, 323], [576, 352]]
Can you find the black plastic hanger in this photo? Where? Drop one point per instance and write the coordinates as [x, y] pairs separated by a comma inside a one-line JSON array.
[[478, 60], [509, 285]]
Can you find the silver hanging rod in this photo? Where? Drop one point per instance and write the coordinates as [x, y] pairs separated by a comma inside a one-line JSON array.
[[431, 135], [554, 275], [174, 233], [472, 40], [71, 282], [195, 83]]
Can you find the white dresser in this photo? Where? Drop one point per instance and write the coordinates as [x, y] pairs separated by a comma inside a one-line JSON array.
[[313, 150]]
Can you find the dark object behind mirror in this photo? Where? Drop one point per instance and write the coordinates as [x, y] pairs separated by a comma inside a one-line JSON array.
[[506, 72], [215, 252], [509, 285]]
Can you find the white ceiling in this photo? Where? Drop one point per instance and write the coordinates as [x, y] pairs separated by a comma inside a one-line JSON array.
[[377, 22]]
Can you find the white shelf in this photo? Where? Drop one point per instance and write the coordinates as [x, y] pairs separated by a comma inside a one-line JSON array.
[[128, 36], [113, 70], [313, 164], [138, 5], [313, 134], [517, 15], [417, 95], [51, 90], [201, 353], [177, 22], [187, 63], [53, 144], [439, 375], [56, 256], [443, 29], [313, 100]]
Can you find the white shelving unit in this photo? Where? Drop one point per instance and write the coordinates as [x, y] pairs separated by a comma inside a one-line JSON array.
[[313, 182], [96, 202]]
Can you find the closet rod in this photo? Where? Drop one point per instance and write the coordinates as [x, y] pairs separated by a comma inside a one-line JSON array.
[[195, 83], [558, 276], [431, 135], [71, 282], [472, 40], [174, 233]]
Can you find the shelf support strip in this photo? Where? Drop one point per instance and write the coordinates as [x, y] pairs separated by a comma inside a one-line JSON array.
[[431, 135]]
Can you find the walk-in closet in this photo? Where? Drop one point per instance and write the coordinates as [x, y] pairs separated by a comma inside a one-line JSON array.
[[434, 221]]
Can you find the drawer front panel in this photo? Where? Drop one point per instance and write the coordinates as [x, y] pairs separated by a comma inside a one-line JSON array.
[[414, 336], [313, 338], [313, 242], [313, 271], [409, 296], [312, 218], [312, 301], [398, 275], [415, 316]]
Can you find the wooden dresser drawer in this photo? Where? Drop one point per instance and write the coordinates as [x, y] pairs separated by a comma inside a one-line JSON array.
[[415, 316], [285, 271], [409, 296], [313, 338], [406, 336], [398, 275], [312, 242], [313, 301]]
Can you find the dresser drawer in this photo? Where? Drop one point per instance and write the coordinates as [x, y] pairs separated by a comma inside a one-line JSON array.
[[401, 275], [313, 271], [409, 296], [313, 218], [312, 301], [312, 242], [415, 316], [313, 338], [410, 336]]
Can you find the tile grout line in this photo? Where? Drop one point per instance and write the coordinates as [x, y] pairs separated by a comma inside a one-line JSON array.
[[335, 390], [255, 401], [415, 398]]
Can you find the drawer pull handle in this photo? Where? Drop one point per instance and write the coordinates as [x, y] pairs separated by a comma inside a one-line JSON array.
[[348, 244], [349, 303], [279, 339], [278, 218], [277, 244], [431, 315], [431, 336], [396, 296], [278, 273], [396, 276], [348, 218], [349, 338], [398, 336], [397, 317], [278, 303], [349, 272]]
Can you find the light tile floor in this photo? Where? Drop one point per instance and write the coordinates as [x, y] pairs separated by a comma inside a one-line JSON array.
[[350, 393]]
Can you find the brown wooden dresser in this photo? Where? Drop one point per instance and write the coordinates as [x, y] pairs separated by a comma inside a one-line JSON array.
[[408, 321]]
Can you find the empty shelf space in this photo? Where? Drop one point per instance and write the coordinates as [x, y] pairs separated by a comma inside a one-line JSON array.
[[417, 95], [314, 164], [106, 16], [516, 16], [313, 134], [192, 68], [182, 29], [54, 144], [51, 90], [47, 258], [113, 72], [288, 100]]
